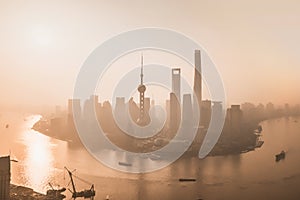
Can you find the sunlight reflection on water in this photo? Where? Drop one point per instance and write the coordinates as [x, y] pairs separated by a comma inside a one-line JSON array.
[[39, 160]]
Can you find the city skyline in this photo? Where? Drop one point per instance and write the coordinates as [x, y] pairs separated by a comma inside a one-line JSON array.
[[146, 100], [257, 43]]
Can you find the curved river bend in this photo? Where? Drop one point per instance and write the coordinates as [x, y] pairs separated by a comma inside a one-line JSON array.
[[253, 175]]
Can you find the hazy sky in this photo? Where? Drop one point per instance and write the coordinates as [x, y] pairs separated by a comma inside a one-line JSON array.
[[255, 44]]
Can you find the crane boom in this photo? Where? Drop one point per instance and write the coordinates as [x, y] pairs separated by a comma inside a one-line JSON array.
[[85, 193], [72, 181], [51, 186]]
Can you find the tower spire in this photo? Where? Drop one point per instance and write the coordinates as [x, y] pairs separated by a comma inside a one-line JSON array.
[[142, 89], [142, 69]]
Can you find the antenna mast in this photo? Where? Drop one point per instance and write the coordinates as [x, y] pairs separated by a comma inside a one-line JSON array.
[[142, 69], [142, 89]]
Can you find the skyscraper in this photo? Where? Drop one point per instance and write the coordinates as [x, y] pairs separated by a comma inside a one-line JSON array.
[[174, 113], [120, 111], [197, 86], [235, 118], [187, 111], [198, 77], [205, 114], [176, 83], [91, 108]]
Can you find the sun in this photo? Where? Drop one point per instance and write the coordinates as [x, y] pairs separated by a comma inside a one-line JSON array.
[[42, 36]]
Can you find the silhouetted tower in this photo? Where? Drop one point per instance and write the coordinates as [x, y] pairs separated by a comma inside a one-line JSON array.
[[176, 83], [4, 177], [142, 89], [205, 114], [187, 111], [198, 88], [175, 114], [198, 77], [235, 118]]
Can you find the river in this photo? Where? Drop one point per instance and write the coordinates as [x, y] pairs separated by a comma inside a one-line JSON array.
[[253, 175]]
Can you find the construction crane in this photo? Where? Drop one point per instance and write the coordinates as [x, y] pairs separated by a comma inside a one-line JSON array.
[[85, 193]]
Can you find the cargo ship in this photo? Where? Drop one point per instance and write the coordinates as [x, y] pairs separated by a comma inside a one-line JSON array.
[[280, 156]]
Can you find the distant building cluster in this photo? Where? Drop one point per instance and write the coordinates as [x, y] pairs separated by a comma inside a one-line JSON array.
[[181, 115], [180, 108]]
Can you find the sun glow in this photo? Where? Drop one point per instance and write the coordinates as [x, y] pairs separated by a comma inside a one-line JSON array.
[[42, 36]]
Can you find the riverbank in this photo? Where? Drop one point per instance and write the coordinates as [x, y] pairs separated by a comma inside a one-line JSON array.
[[20, 192], [229, 144], [253, 175]]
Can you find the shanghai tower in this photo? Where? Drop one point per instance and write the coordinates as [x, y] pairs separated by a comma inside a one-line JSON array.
[[198, 78]]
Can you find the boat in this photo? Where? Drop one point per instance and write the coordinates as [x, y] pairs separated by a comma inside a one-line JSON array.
[[280, 156], [125, 164], [187, 179]]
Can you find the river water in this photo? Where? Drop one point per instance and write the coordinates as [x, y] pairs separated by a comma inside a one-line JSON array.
[[253, 175]]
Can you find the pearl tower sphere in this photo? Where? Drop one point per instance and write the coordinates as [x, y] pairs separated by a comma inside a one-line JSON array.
[[142, 88]]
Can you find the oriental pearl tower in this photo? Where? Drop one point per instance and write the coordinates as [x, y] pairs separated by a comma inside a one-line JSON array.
[[142, 88]]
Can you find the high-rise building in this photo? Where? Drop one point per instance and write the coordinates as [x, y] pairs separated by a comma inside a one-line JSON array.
[[120, 113], [174, 113], [74, 104], [217, 112], [105, 117], [120, 104], [197, 87], [187, 111], [176, 83], [205, 113], [217, 108], [4, 177], [198, 77], [235, 118], [168, 113], [91, 108]]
